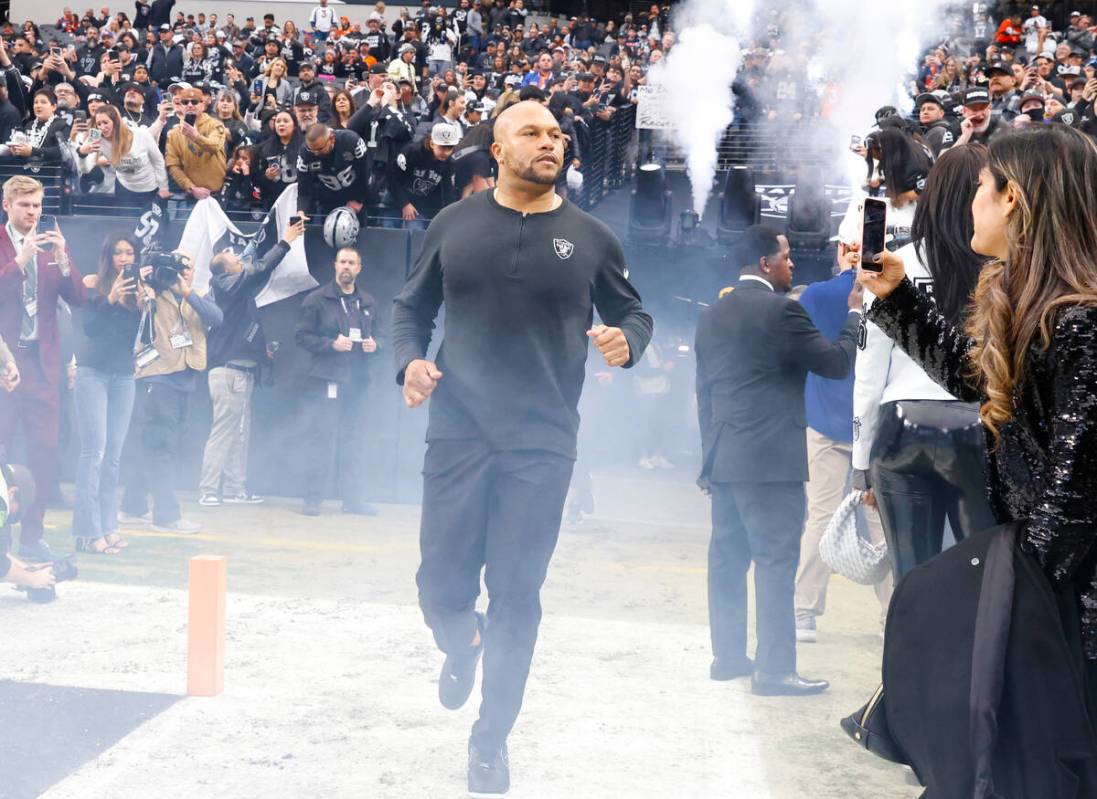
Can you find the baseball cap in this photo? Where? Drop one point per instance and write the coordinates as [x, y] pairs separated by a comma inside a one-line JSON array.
[[177, 84], [928, 97], [305, 98], [132, 87], [512, 80], [1068, 116], [307, 65], [165, 27], [445, 135], [96, 96], [998, 66], [976, 95], [378, 69], [586, 76], [475, 107], [1074, 14]]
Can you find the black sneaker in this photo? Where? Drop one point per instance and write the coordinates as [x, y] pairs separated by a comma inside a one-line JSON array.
[[489, 774], [459, 672]]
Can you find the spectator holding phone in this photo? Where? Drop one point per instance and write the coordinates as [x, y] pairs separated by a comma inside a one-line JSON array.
[[41, 136], [130, 157], [275, 164], [35, 271], [195, 154], [104, 391]]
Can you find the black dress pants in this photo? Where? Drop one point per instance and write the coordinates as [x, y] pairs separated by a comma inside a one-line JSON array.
[[928, 464], [760, 522], [335, 449], [500, 512], [161, 413]]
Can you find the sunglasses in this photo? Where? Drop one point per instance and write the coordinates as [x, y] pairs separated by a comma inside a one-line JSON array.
[[190, 102]]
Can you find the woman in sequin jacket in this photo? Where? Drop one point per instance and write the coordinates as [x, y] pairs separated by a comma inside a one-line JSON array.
[[1029, 352]]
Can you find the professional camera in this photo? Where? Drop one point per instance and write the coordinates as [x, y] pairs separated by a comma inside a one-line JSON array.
[[166, 267], [63, 570]]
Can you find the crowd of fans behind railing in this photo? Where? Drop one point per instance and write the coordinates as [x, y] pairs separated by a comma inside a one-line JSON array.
[[131, 108]]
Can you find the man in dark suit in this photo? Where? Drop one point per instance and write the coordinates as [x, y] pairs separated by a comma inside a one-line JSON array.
[[35, 269], [754, 348]]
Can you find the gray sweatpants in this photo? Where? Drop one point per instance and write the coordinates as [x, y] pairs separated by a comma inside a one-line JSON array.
[[226, 454]]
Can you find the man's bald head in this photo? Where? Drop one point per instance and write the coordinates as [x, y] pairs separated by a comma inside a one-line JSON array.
[[519, 114]]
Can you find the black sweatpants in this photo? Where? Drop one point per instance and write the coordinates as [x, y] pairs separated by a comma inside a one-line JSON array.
[[497, 511], [760, 522]]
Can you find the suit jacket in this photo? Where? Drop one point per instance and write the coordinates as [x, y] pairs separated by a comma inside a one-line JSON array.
[[51, 285], [754, 350]]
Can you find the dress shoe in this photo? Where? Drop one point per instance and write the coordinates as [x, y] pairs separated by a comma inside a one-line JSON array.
[[489, 772], [459, 672], [762, 684], [722, 670], [359, 509]]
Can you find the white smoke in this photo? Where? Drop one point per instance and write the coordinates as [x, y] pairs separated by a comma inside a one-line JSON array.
[[869, 52], [697, 77], [863, 51]]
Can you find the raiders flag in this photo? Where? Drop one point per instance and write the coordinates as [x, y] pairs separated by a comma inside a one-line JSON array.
[[210, 231]]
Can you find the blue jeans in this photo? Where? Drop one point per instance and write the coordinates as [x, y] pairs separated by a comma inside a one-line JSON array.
[[104, 403]]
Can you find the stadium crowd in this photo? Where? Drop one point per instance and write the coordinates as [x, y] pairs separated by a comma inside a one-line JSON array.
[[165, 104]]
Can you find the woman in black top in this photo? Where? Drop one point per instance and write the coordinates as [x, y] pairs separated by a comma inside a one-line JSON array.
[[104, 393], [1028, 354], [275, 164]]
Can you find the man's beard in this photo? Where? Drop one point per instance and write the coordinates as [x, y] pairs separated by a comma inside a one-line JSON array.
[[134, 108], [530, 173], [346, 279], [982, 126]]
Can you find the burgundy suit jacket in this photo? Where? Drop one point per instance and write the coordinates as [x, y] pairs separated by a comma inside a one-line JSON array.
[[51, 285]]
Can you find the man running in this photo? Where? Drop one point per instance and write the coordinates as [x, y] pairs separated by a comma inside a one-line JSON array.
[[503, 420]]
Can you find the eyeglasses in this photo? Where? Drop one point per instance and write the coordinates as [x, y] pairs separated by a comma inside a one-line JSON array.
[[190, 102]]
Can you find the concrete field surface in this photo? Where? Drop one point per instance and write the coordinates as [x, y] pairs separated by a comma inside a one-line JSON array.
[[331, 676]]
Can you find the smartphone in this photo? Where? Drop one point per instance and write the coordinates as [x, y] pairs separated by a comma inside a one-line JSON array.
[[132, 273], [55, 52], [293, 220], [46, 222], [80, 115], [873, 231], [190, 119], [114, 56], [854, 143], [94, 134]]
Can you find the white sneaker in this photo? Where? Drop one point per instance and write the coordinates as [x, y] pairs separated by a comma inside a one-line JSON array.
[[646, 463], [178, 526], [805, 629], [210, 501], [243, 499], [135, 521], [659, 462]]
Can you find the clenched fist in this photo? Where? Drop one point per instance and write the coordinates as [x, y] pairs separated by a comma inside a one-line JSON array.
[[420, 379], [611, 342]]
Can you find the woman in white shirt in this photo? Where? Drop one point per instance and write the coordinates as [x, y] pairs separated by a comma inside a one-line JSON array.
[[131, 155], [915, 446]]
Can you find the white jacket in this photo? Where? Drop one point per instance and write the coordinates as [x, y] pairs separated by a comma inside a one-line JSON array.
[[884, 373], [141, 169]]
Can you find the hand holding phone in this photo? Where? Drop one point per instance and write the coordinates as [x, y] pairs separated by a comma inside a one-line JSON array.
[[873, 232]]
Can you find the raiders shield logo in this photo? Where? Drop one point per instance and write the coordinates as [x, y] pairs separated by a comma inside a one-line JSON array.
[[564, 248]]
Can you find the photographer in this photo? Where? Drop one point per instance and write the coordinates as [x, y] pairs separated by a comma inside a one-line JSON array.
[[16, 492], [195, 154], [172, 351], [236, 351]]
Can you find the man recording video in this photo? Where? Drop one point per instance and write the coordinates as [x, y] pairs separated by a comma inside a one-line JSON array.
[[17, 492], [171, 351]]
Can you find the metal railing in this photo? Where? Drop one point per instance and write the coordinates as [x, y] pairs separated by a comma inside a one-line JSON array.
[[607, 159]]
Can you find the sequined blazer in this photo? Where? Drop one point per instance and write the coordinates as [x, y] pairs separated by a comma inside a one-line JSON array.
[[1043, 470]]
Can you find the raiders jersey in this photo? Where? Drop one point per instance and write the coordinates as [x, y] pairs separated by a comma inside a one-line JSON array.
[[336, 178]]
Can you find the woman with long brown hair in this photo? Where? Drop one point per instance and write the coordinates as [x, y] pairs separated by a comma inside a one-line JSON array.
[[917, 447], [132, 154], [342, 108], [1028, 355], [104, 391]]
